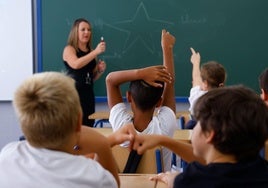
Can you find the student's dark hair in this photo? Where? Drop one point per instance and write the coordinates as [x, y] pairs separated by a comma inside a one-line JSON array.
[[144, 95], [263, 80], [214, 73], [238, 117]]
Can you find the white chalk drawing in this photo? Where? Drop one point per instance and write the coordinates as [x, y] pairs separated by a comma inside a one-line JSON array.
[[133, 34], [141, 17]]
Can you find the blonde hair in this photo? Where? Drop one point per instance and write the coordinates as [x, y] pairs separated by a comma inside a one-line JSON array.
[[73, 35], [48, 108]]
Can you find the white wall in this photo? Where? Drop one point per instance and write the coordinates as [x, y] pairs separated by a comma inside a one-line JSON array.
[[16, 45]]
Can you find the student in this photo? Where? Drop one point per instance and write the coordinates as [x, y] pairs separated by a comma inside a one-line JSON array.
[[263, 83], [210, 75], [80, 60], [232, 127], [146, 93], [50, 115]]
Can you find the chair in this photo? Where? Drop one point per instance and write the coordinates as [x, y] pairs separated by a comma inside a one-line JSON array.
[[100, 122], [182, 135], [151, 161]]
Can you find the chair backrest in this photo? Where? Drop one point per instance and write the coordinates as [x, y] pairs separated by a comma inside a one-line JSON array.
[[150, 163], [183, 134]]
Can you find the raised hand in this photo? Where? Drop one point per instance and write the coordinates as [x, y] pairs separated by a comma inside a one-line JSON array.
[[195, 58], [167, 40]]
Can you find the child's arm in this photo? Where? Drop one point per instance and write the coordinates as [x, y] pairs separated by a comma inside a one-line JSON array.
[[183, 149], [195, 60], [167, 43], [117, 78], [125, 133], [93, 142]]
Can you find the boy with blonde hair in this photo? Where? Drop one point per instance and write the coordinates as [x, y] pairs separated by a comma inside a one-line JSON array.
[[50, 115]]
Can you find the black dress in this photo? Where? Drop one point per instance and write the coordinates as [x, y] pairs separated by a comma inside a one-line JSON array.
[[84, 84]]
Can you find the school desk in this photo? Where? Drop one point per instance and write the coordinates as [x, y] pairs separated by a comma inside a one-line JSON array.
[[139, 180], [103, 117]]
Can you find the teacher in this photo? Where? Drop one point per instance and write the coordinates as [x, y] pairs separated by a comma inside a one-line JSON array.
[[81, 63]]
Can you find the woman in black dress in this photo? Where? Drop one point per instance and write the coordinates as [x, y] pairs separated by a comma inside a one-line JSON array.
[[80, 60]]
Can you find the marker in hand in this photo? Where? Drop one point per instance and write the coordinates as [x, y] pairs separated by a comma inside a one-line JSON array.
[[102, 39]]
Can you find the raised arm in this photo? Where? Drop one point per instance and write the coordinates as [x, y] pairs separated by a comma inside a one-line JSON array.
[[117, 78], [167, 43], [195, 60]]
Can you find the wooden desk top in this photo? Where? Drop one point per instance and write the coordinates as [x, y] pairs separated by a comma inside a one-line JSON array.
[[99, 115], [139, 180], [179, 134], [105, 115]]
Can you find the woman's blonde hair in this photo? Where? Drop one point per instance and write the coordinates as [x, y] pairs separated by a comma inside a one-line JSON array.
[[73, 35], [48, 108]]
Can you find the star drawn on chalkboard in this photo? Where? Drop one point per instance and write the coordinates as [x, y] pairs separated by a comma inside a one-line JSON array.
[[141, 27]]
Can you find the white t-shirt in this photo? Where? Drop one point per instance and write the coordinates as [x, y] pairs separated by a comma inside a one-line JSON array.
[[195, 93], [164, 123], [23, 166]]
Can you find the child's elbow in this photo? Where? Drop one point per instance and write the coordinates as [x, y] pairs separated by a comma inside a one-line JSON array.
[[108, 78]]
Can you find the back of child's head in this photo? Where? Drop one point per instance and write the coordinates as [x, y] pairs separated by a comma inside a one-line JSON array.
[[214, 73], [263, 80], [238, 117], [144, 95], [48, 108]]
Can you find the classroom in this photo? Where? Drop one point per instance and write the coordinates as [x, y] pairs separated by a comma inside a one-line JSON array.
[[233, 33]]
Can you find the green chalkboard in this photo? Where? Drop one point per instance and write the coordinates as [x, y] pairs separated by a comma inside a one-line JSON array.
[[232, 32]]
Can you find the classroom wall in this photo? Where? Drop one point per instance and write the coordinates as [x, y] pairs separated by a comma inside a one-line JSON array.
[[16, 44]]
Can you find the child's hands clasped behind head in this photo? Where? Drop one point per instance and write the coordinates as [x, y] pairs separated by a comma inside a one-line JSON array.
[[154, 75]]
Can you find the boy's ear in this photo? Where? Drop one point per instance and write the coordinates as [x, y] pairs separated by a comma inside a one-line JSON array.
[[128, 95], [264, 95], [210, 135], [205, 85]]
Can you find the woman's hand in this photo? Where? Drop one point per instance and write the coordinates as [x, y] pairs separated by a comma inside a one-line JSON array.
[[101, 47], [101, 66]]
